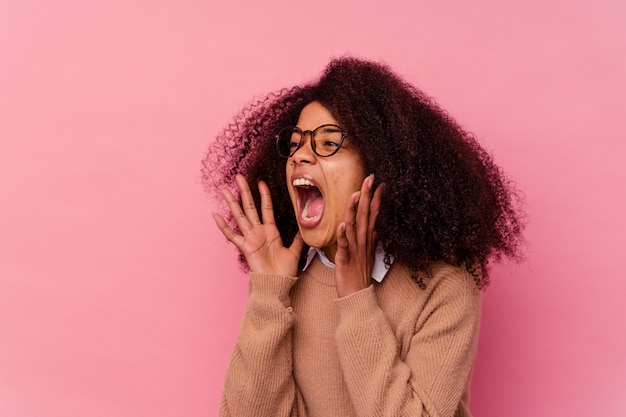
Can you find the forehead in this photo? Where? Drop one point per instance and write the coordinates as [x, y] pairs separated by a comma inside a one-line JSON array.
[[313, 115]]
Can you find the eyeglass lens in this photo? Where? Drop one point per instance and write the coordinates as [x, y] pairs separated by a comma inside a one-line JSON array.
[[325, 140]]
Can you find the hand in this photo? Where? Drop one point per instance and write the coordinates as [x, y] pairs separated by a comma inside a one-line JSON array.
[[260, 242], [356, 240]]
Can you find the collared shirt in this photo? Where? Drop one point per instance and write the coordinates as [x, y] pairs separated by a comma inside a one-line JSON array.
[[379, 270]]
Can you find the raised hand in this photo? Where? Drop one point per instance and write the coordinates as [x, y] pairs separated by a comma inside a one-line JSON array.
[[259, 241], [356, 240]]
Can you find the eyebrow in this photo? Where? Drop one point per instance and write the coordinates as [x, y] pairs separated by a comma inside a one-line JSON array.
[[326, 125]]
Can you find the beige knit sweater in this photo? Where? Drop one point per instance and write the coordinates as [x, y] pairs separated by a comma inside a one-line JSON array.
[[392, 349]]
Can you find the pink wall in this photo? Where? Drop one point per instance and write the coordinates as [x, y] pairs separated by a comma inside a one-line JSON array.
[[118, 297]]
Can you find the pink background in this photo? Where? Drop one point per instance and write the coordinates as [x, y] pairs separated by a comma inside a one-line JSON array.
[[119, 298]]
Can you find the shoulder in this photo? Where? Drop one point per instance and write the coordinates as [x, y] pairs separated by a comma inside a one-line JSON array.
[[440, 280], [450, 281], [446, 287], [455, 289]]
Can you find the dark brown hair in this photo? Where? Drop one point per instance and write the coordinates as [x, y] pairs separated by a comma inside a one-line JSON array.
[[444, 197]]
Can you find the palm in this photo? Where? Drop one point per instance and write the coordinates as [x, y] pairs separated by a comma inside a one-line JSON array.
[[356, 240], [259, 241]]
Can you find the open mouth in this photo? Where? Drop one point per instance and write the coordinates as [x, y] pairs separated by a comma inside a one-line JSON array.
[[310, 202]]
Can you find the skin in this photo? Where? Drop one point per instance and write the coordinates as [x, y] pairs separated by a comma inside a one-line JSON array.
[[346, 231], [337, 177]]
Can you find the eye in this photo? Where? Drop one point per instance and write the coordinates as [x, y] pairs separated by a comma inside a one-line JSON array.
[[328, 140], [294, 141], [330, 144]]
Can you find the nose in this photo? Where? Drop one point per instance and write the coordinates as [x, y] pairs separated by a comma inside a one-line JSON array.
[[304, 153]]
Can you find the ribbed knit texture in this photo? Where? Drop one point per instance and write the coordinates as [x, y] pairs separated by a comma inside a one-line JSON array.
[[392, 349]]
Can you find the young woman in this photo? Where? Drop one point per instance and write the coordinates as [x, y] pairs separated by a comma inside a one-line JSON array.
[[366, 217]]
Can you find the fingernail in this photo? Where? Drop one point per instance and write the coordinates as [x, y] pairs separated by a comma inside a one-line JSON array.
[[370, 181], [358, 197]]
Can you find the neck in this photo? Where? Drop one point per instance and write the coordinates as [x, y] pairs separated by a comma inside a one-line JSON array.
[[330, 252]]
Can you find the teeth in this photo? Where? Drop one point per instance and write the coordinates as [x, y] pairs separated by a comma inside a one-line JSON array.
[[299, 182]]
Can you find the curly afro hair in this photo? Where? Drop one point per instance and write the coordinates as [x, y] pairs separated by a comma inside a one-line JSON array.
[[444, 197]]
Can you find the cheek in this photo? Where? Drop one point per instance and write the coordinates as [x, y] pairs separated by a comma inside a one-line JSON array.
[[343, 188]]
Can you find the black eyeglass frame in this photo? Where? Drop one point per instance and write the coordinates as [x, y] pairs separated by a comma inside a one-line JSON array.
[[312, 135]]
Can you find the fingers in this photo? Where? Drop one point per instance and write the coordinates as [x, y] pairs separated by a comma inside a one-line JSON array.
[[374, 210], [245, 214], [247, 201], [228, 232], [342, 257], [360, 220], [240, 217], [351, 219], [363, 209], [359, 211], [267, 209]]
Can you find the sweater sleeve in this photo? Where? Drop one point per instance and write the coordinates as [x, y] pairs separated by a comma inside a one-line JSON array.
[[429, 378], [259, 380]]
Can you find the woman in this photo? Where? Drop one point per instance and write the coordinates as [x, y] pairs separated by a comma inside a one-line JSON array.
[[367, 233]]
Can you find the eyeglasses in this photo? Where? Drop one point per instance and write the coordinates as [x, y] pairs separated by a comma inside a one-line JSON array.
[[325, 140]]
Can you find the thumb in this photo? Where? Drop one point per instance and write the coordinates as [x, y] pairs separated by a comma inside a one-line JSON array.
[[297, 245]]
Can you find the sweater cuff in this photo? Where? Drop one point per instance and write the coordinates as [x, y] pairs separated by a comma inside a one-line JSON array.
[[272, 285]]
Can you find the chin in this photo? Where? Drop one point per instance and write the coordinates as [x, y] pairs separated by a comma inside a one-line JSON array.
[[316, 239]]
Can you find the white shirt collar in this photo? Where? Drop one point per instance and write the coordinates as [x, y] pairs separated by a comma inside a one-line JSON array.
[[379, 270]]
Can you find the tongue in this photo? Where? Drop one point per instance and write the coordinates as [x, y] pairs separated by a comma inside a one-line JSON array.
[[313, 207]]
